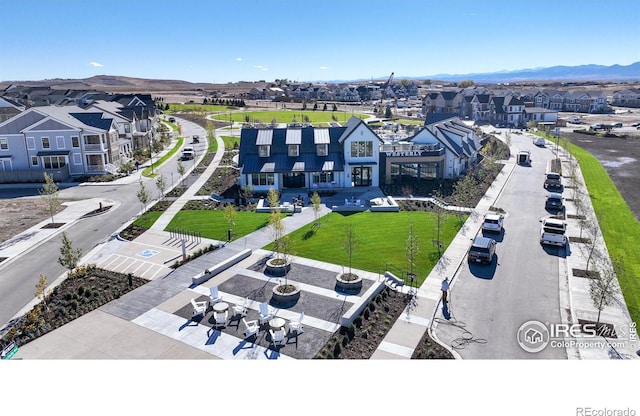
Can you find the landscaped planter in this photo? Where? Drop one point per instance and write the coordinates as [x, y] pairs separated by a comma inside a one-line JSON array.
[[346, 283], [277, 267], [282, 298]]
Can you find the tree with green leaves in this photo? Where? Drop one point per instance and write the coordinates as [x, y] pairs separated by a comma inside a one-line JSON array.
[[41, 290], [69, 257], [315, 204], [181, 171], [144, 196], [49, 193], [211, 132]]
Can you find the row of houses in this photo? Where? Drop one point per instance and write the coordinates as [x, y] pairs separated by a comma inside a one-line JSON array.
[[352, 156], [74, 140]]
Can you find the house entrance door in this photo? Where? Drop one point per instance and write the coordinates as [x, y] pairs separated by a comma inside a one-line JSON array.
[[361, 176]]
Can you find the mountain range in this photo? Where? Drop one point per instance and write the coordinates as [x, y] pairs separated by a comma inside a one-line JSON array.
[[580, 73]]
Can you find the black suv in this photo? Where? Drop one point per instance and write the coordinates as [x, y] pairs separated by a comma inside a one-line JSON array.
[[554, 202], [482, 250]]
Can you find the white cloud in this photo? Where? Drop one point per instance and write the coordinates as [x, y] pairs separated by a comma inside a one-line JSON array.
[[324, 68], [262, 68], [95, 64], [239, 59]]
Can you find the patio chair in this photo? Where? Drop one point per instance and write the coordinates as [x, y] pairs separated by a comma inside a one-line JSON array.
[[199, 308], [220, 319], [265, 313], [214, 295], [250, 327], [296, 326], [277, 337], [240, 310]]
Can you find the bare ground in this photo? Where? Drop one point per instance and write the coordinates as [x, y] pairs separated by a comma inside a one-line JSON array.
[[20, 214]]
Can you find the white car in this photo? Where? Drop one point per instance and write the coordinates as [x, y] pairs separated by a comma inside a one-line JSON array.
[[539, 141], [492, 223]]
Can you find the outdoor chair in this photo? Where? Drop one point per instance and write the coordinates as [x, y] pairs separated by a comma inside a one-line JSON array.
[[296, 326], [214, 295], [250, 327], [221, 319], [199, 308], [265, 313], [240, 310], [277, 337]]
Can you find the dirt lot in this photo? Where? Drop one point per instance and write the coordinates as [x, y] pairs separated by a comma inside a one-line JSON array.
[[620, 155], [19, 214]]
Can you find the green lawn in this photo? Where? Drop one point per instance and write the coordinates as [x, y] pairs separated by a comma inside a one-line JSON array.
[[212, 223], [285, 116], [148, 171], [147, 219], [620, 229], [209, 108], [381, 240], [230, 142]]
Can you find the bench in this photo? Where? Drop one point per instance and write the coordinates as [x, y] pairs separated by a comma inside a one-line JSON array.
[[217, 268]]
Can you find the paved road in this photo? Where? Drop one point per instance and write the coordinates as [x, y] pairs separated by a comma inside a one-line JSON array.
[[490, 303], [18, 280]]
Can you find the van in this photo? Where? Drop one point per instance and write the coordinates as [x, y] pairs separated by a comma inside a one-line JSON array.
[[188, 153]]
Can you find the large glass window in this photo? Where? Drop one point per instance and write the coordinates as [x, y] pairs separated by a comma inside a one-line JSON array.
[[54, 162], [362, 149], [262, 179], [322, 177]]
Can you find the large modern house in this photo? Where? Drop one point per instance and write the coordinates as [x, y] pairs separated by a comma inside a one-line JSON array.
[[353, 155]]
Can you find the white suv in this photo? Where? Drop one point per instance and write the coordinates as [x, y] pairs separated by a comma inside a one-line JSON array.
[[492, 223]]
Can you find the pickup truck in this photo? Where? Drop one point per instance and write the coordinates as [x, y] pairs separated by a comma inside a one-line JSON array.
[[553, 180], [553, 231]]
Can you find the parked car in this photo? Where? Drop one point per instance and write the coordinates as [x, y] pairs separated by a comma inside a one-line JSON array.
[[195, 139], [482, 250], [492, 223], [553, 231], [553, 180], [539, 141], [617, 125], [636, 124], [554, 202]]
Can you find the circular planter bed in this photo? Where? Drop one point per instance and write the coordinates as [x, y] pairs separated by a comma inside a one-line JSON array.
[[348, 282], [277, 267], [285, 295]]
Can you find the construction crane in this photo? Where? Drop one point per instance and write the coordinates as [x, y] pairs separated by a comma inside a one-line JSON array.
[[384, 88]]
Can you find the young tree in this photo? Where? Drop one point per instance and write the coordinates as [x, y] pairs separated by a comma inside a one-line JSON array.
[[211, 132], [41, 290], [230, 214], [49, 193], [315, 203], [602, 286], [276, 226], [387, 112], [181, 171], [349, 245], [143, 196], [411, 250], [69, 257], [161, 184]]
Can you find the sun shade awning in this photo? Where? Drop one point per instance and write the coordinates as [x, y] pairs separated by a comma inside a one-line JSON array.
[[321, 136], [327, 166], [264, 137], [268, 168], [294, 136], [298, 167]]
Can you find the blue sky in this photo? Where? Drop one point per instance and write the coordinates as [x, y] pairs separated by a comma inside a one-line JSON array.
[[231, 40]]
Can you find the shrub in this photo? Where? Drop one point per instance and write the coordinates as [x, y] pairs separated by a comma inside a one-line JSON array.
[[358, 321], [345, 340], [365, 334], [372, 307], [351, 332], [366, 314]]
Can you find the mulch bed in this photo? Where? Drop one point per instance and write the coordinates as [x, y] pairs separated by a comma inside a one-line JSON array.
[[584, 273], [54, 225]]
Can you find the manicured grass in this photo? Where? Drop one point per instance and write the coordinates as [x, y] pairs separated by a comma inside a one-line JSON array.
[[147, 171], [620, 229], [230, 142], [284, 116], [147, 219], [381, 240], [212, 223], [198, 107]]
